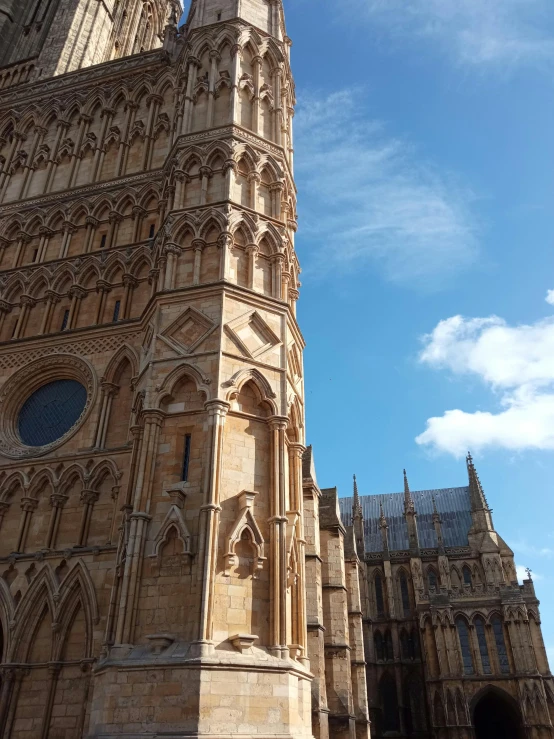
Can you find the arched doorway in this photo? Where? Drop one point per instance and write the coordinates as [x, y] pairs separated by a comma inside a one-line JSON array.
[[496, 716]]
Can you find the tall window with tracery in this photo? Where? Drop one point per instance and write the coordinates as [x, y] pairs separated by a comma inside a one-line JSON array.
[[432, 579], [405, 594], [498, 631], [483, 647], [379, 595], [465, 646]]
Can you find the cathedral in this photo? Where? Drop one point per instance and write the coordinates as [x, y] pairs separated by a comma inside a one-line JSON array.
[[169, 565]]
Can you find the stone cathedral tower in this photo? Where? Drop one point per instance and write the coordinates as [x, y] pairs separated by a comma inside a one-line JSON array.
[[169, 565], [151, 392]]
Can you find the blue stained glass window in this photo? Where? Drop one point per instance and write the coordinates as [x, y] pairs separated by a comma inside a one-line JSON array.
[[51, 411]]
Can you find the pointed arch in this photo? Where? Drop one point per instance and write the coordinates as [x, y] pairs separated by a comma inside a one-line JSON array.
[[30, 612], [72, 474], [105, 468], [126, 351], [175, 376], [78, 583], [40, 479], [64, 280], [213, 220], [173, 520], [245, 523], [254, 376]]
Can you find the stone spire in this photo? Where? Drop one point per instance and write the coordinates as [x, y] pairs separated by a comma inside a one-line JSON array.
[[476, 492], [410, 515], [437, 523], [480, 511], [409, 504], [384, 527], [358, 520], [356, 506]]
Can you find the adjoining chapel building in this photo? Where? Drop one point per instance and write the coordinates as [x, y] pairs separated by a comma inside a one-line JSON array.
[[169, 566]]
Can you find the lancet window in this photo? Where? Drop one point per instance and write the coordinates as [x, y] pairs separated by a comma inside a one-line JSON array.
[[465, 646], [379, 595], [498, 631], [483, 647]]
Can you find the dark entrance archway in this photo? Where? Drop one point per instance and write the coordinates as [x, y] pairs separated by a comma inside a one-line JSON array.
[[496, 716]]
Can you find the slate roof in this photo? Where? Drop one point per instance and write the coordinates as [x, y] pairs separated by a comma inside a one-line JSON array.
[[453, 504]]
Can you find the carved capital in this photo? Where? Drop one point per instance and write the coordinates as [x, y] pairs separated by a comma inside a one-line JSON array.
[[115, 217], [103, 286], [28, 504], [225, 240], [130, 280], [278, 423], [138, 212], [89, 497], [57, 500], [77, 292]]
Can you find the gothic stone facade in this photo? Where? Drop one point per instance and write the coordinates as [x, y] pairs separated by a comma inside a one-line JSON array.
[[168, 563], [453, 643]]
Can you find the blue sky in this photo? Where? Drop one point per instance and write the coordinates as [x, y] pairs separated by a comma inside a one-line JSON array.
[[424, 140]]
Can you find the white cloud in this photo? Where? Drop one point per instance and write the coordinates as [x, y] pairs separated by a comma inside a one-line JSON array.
[[517, 362], [522, 575], [550, 297], [505, 33], [368, 198]]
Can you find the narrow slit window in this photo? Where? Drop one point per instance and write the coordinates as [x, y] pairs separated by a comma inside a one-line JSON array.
[[35, 252], [467, 575], [152, 231], [186, 459], [116, 309], [65, 319], [103, 241], [219, 16]]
